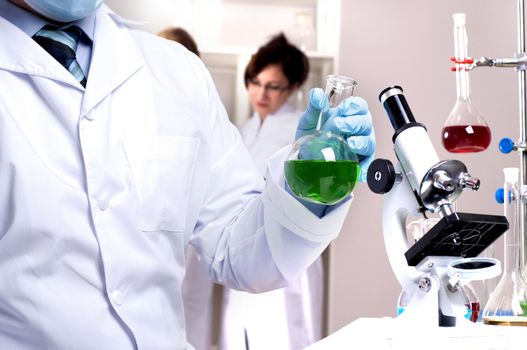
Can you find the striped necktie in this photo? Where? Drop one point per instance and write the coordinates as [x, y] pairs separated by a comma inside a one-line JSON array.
[[62, 45]]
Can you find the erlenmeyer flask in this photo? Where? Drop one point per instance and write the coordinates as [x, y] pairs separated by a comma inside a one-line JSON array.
[[465, 129], [507, 304], [321, 167]]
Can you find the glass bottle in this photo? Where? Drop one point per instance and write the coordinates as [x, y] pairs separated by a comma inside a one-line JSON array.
[[465, 130], [472, 303], [321, 167], [305, 34], [507, 304]]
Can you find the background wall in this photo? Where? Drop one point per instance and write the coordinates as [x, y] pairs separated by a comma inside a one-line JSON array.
[[408, 43], [228, 32]]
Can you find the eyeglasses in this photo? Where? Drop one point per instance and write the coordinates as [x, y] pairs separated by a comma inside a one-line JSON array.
[[270, 88]]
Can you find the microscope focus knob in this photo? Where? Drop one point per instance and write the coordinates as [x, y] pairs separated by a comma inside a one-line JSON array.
[[381, 176]]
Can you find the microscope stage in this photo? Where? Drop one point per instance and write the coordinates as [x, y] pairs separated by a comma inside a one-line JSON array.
[[460, 235]]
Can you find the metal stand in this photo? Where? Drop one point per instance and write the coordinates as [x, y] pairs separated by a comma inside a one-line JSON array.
[[520, 63]]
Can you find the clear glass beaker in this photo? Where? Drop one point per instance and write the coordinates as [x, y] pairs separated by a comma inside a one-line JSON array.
[[321, 167], [465, 130], [507, 305]]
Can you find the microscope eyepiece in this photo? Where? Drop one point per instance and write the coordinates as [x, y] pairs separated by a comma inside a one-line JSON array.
[[390, 91], [397, 109]]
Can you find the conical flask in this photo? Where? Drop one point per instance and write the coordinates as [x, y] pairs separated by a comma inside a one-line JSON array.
[[321, 167], [465, 130], [507, 304]]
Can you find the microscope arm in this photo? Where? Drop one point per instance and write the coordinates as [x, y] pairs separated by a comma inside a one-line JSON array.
[[399, 202]]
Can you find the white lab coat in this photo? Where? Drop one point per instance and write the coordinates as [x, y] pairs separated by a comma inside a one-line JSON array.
[[288, 318], [276, 131], [102, 189]]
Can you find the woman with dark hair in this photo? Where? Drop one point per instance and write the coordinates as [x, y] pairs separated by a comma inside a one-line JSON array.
[[288, 318], [272, 77]]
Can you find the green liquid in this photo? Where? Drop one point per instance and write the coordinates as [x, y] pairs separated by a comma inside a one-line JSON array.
[[523, 305], [321, 181]]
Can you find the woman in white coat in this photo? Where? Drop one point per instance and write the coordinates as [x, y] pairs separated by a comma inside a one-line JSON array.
[[288, 318]]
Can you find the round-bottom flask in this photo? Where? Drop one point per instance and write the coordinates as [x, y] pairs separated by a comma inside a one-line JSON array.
[[321, 167]]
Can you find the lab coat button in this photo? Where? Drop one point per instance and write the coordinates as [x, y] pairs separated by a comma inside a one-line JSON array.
[[117, 297], [103, 203]]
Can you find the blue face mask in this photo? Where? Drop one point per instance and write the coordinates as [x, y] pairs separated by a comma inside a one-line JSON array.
[[64, 10]]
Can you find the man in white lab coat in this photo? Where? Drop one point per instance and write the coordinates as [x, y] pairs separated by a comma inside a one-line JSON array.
[[105, 180]]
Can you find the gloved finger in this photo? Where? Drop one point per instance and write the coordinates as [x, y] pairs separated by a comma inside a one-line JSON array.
[[364, 165], [358, 124], [317, 102], [363, 145], [352, 105]]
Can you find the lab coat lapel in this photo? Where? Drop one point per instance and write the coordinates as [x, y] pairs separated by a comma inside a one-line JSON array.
[[20, 53], [115, 58]]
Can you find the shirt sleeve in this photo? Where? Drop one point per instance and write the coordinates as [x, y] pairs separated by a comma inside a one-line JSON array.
[[253, 235]]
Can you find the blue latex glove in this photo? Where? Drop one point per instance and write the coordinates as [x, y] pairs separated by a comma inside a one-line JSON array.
[[351, 119]]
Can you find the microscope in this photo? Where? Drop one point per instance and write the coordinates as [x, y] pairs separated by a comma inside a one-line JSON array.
[[434, 267]]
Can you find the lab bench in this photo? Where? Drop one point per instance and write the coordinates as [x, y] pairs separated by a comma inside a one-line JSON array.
[[387, 333]]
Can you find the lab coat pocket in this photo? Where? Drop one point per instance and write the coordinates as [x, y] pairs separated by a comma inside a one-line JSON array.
[[162, 169]]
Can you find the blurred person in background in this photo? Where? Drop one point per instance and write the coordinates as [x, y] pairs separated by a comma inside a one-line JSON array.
[[291, 317], [181, 36]]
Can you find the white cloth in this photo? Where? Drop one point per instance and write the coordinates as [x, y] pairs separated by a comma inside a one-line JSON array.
[[276, 131], [102, 189], [197, 292], [286, 318]]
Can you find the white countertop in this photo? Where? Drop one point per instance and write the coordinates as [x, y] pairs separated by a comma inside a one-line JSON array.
[[387, 333]]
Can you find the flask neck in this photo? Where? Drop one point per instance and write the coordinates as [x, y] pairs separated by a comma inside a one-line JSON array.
[[512, 252], [461, 54], [462, 83], [511, 258]]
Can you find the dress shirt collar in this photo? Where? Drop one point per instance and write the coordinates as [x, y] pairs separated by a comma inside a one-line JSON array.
[[31, 23]]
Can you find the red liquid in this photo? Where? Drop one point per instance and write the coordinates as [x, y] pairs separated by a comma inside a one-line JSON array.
[[474, 306], [465, 138]]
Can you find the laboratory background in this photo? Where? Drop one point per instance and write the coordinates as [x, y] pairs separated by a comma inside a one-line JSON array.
[[379, 43]]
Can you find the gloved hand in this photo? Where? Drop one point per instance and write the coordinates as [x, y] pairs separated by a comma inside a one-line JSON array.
[[351, 119]]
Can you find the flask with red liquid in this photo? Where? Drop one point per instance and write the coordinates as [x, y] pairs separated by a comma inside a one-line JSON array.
[[465, 130]]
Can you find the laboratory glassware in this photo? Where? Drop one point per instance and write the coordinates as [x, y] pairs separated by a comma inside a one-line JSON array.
[[507, 304], [473, 305], [304, 32], [465, 130], [321, 167]]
